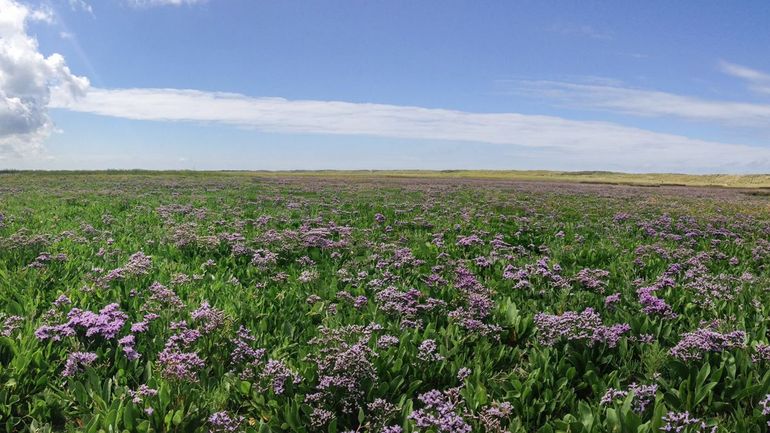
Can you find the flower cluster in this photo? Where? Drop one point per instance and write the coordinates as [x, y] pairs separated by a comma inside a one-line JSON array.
[[592, 279], [10, 324], [209, 317], [277, 374], [585, 327], [764, 405], [345, 367], [678, 422], [176, 362], [162, 299], [77, 361], [138, 264], [492, 416], [406, 305], [127, 343], [694, 345], [761, 353], [440, 411], [222, 422], [141, 393], [643, 396], [427, 351], [651, 304], [477, 307], [107, 323]]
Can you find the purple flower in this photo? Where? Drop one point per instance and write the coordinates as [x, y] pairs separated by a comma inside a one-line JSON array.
[[210, 317], [184, 335], [62, 300], [10, 324], [243, 352], [611, 300], [386, 341], [678, 422], [320, 417], [138, 264], [77, 361], [571, 326], [469, 241], [162, 298], [592, 279], [463, 373], [142, 392], [694, 345], [427, 351], [765, 406], [127, 344], [176, 364], [761, 353], [144, 324], [222, 422], [440, 412], [643, 396], [652, 304], [107, 323], [344, 363], [359, 302], [263, 259], [278, 374]]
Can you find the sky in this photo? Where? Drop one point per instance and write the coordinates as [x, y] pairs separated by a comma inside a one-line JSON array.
[[636, 86]]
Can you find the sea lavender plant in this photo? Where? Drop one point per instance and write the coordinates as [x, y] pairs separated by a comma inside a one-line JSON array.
[[694, 345], [77, 362], [585, 327], [440, 411]]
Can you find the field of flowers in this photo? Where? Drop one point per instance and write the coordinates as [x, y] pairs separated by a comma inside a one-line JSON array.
[[244, 303]]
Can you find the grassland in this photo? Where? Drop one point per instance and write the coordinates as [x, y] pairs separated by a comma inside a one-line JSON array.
[[750, 181], [382, 302]]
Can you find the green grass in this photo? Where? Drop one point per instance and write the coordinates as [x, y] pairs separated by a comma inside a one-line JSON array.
[[594, 177], [318, 266]]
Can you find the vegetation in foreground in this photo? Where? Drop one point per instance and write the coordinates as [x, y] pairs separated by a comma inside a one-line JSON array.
[[205, 302]]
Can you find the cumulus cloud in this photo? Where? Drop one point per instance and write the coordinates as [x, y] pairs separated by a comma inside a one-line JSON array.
[[27, 79], [650, 103], [585, 142]]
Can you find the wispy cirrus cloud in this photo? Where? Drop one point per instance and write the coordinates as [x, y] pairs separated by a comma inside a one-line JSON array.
[[153, 3], [758, 81], [647, 103], [580, 30], [585, 142]]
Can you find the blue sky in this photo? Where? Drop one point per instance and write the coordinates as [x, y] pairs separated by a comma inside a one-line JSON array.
[[230, 84]]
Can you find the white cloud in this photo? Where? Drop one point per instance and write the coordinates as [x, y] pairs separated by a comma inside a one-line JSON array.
[[649, 103], [584, 142], [758, 81], [580, 30], [26, 80], [76, 5], [152, 3], [43, 14]]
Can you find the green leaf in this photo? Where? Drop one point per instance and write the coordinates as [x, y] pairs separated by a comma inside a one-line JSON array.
[[178, 417]]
